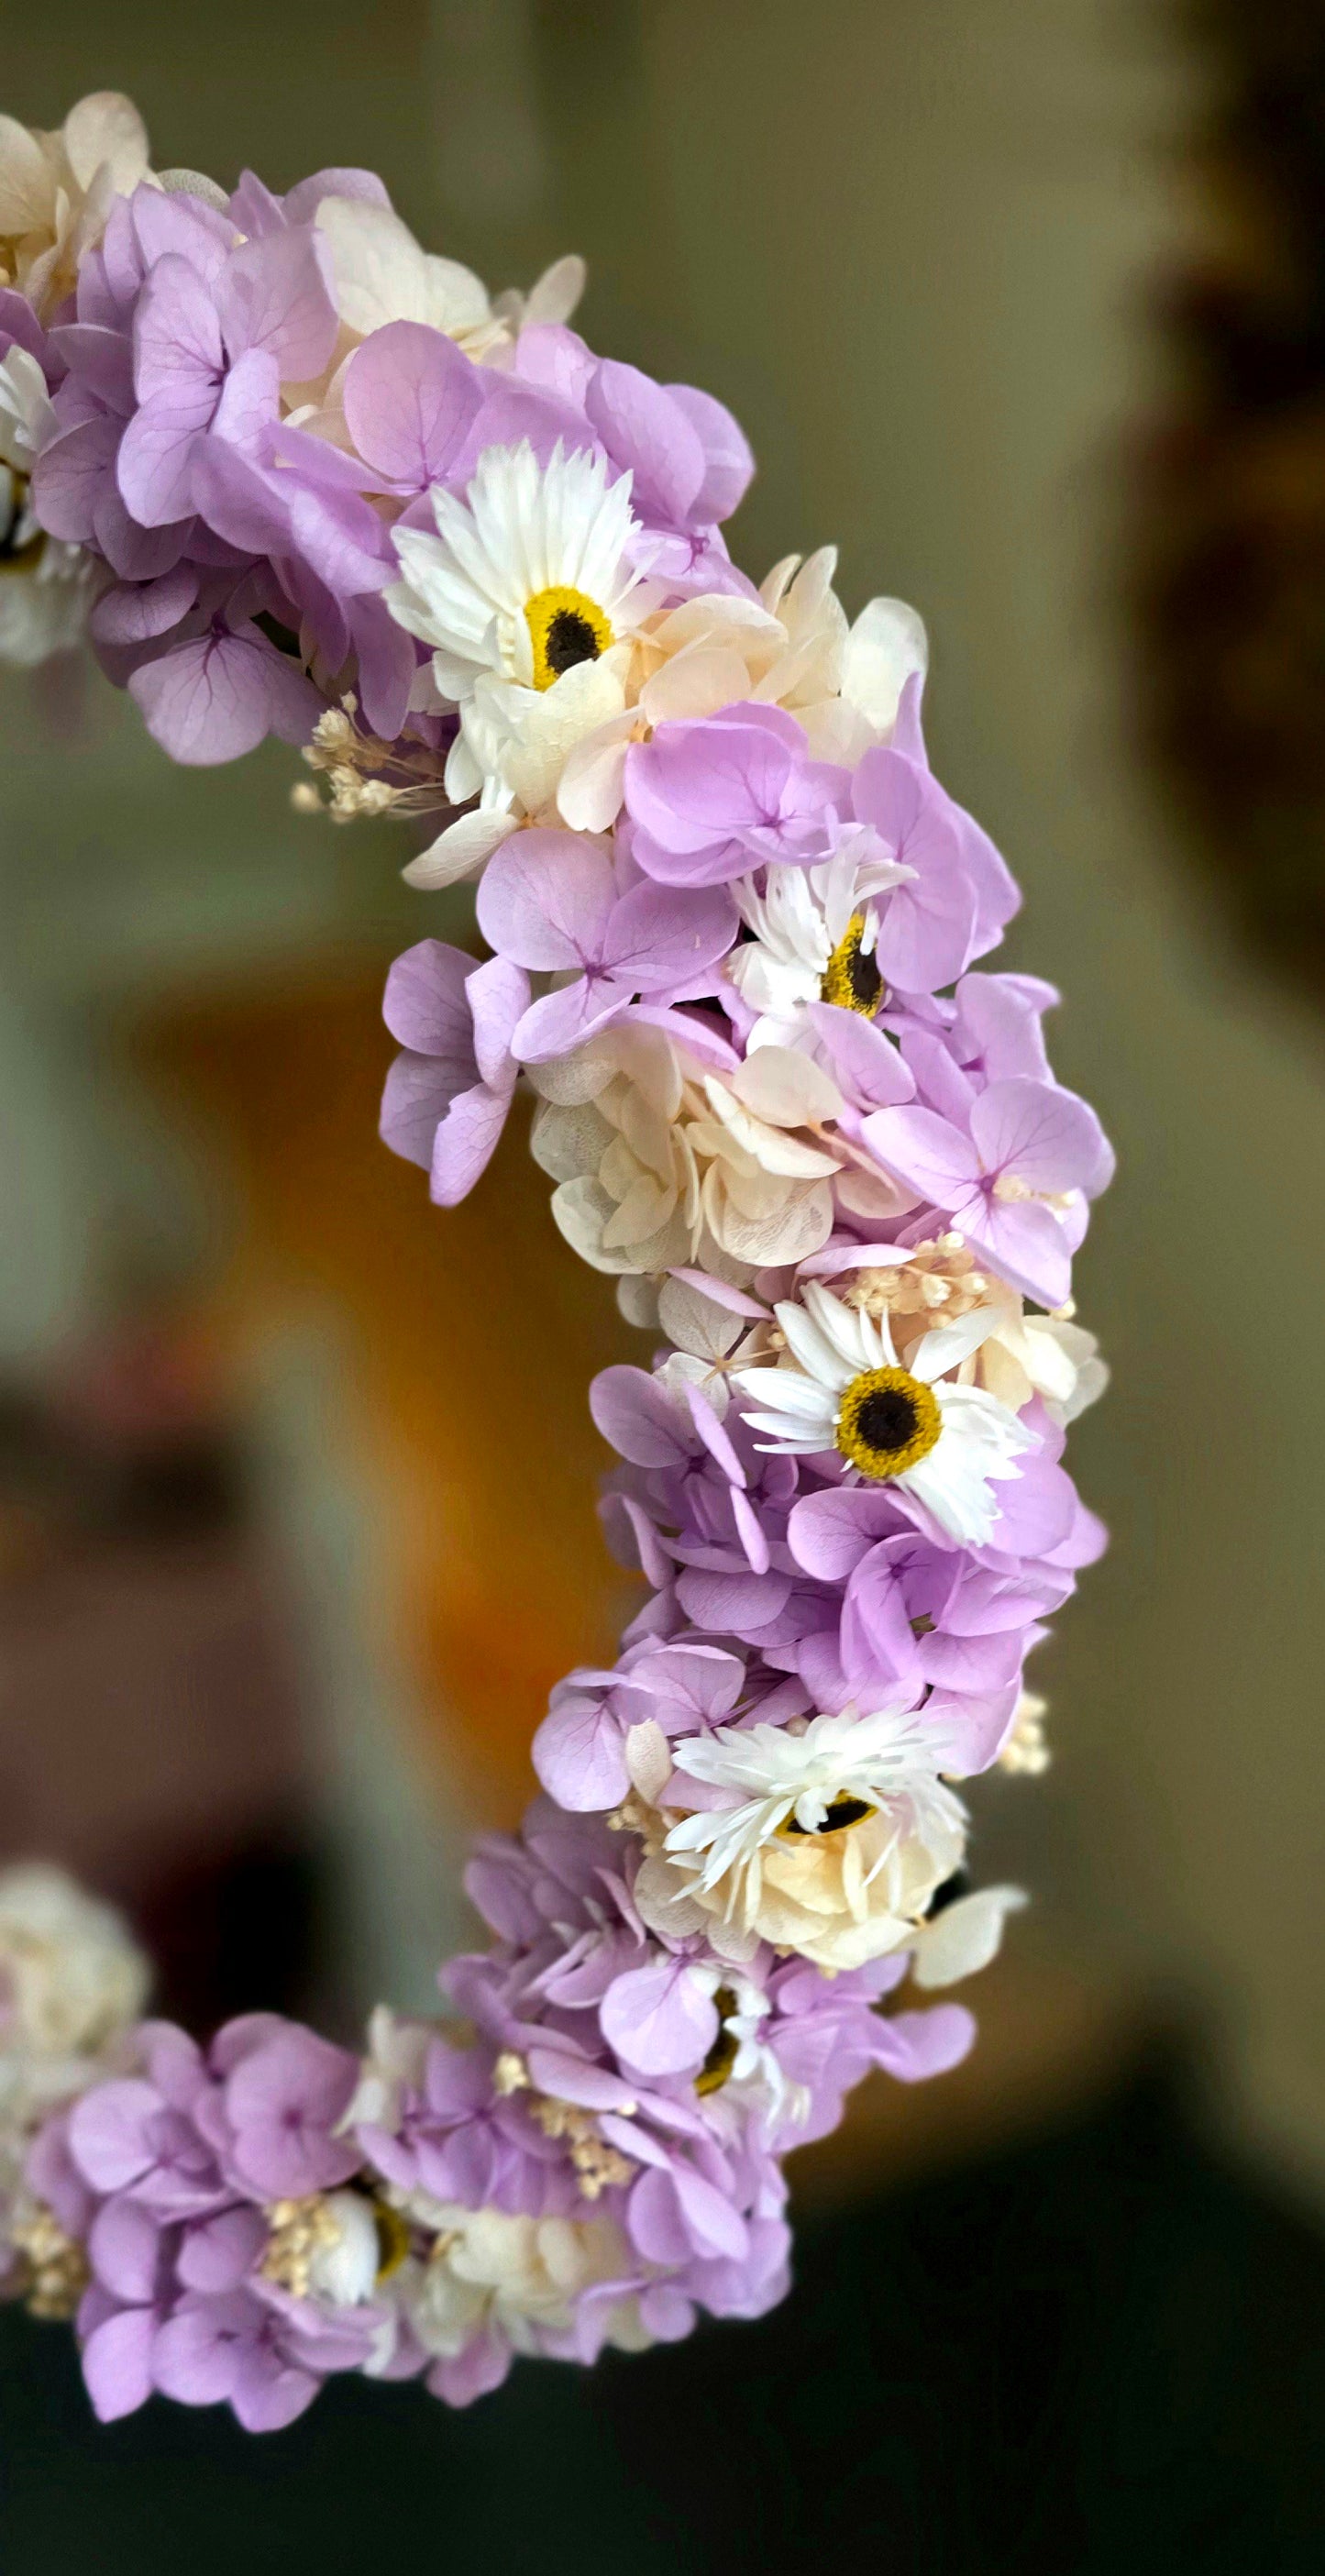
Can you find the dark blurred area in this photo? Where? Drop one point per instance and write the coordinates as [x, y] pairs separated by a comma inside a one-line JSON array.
[[1023, 301], [1101, 2352], [1232, 492], [150, 1718]]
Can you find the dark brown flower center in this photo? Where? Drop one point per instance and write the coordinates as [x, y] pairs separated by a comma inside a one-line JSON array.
[[839, 1813], [721, 2058], [570, 639], [851, 979], [566, 627]]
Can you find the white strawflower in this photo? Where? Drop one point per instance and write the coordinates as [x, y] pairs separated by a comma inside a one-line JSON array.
[[833, 1841], [814, 936], [841, 1387], [529, 594]]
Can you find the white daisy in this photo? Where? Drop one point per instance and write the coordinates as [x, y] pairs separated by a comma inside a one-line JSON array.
[[531, 600], [814, 937], [843, 1389], [45, 584], [527, 577]]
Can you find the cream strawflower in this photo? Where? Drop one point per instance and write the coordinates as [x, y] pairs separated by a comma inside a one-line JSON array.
[[56, 191], [841, 1386], [45, 585], [71, 1979], [836, 1841], [658, 1159], [519, 2275]]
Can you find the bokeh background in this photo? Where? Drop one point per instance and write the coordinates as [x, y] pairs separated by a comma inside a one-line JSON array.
[[287, 1557]]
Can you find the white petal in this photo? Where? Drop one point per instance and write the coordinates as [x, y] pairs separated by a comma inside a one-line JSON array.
[[786, 1089], [844, 1328], [460, 851], [821, 1358], [885, 647], [949, 1344], [786, 1391], [965, 1937]]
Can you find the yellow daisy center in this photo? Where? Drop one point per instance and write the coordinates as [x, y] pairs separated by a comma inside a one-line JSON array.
[[721, 2058], [16, 556], [839, 1815], [392, 2238], [850, 978], [565, 627], [887, 1421]]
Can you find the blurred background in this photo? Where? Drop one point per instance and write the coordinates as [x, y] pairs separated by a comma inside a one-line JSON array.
[[1020, 301]]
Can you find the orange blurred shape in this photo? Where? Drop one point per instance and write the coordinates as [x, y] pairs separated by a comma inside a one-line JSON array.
[[470, 1337]]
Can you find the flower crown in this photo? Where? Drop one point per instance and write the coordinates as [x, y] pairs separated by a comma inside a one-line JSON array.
[[293, 474]]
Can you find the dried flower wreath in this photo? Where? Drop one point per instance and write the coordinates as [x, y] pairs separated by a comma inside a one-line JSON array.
[[290, 473]]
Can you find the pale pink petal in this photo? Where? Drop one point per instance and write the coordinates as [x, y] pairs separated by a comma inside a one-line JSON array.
[[410, 396], [273, 295]]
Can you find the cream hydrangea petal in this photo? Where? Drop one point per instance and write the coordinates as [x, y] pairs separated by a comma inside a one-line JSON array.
[[694, 1322], [552, 297], [106, 131], [380, 274], [697, 682], [886, 647], [592, 783], [549, 724], [27, 181], [965, 1937], [786, 1090], [803, 1226], [568, 1142]]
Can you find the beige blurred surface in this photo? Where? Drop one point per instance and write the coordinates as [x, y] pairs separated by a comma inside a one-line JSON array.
[[913, 247]]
